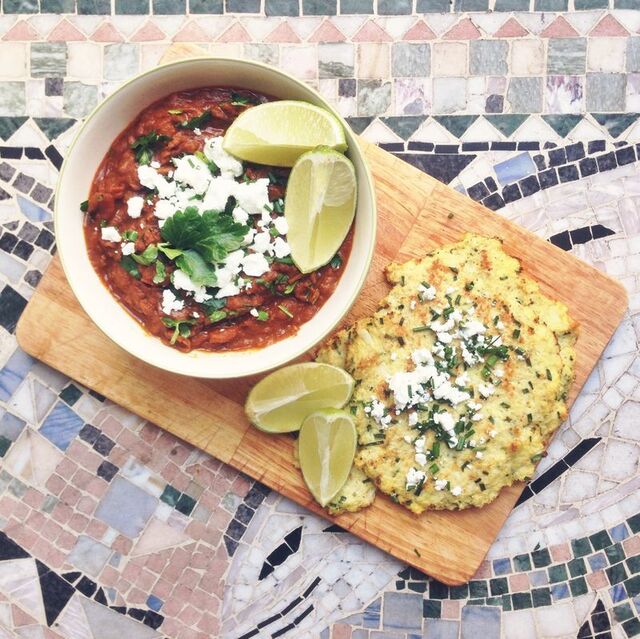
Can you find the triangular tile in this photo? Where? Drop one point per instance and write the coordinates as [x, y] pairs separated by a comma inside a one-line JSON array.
[[562, 123], [506, 123], [304, 27], [86, 24], [378, 133], [32, 458], [106, 32], [157, 536], [29, 134], [395, 26], [21, 30], [536, 22], [440, 23], [404, 126], [191, 32], [34, 213], [456, 124], [584, 21], [511, 29], [148, 32], [609, 27], [443, 167], [371, 32], [463, 30], [559, 28], [53, 127], [65, 32], [58, 592], [419, 31], [235, 33], [487, 23], [482, 131], [534, 128], [9, 125], [359, 124], [19, 580], [128, 25], [258, 28], [170, 25], [10, 550], [327, 32], [20, 617], [283, 33], [615, 123], [108, 624], [432, 131], [585, 130], [632, 134], [72, 622]]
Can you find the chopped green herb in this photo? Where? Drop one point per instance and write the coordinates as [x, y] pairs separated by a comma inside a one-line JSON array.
[[238, 99], [130, 236], [211, 165], [148, 256], [290, 288], [516, 333], [182, 327], [161, 273], [171, 253], [273, 232], [263, 316], [402, 280], [549, 376], [420, 329], [84, 206], [143, 147], [537, 457], [336, 261], [197, 122], [194, 265], [285, 310], [129, 265], [217, 316], [469, 286], [434, 468], [284, 260], [529, 418]]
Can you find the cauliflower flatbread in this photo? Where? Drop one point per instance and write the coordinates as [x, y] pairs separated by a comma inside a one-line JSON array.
[[461, 377]]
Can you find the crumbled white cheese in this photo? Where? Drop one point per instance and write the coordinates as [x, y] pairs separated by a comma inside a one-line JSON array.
[[414, 478], [134, 206], [378, 411], [128, 248], [229, 290], [182, 281], [281, 225], [393, 356], [499, 372], [486, 390], [479, 454], [450, 290], [426, 292], [441, 484], [493, 433], [261, 242], [155, 164], [445, 338], [170, 302], [412, 305], [456, 491], [151, 179], [462, 379], [420, 459], [471, 328], [227, 164], [110, 234], [281, 248], [413, 419], [253, 196], [255, 264], [192, 171], [240, 215], [220, 189], [254, 312]]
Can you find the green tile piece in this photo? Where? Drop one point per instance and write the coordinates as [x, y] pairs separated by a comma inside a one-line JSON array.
[[615, 553], [577, 567], [520, 562], [459, 592], [48, 59], [404, 125], [79, 98], [94, 7], [319, 7], [627, 4], [499, 586], [566, 56], [541, 558], [282, 7], [615, 123], [170, 495], [600, 540], [206, 6], [633, 586], [551, 5], [507, 124], [12, 98], [634, 523], [488, 57], [521, 600], [456, 124], [581, 547], [169, 7], [633, 563], [578, 586], [185, 504], [478, 589], [479, 602], [53, 127], [541, 597], [20, 6], [121, 60], [506, 602], [616, 574], [9, 125], [410, 59], [492, 601], [590, 4], [4, 445], [70, 394], [472, 5], [394, 7], [359, 124], [356, 6], [132, 7], [622, 612], [557, 573], [431, 609], [606, 92], [632, 627], [242, 6], [512, 5], [374, 97], [433, 6], [57, 6], [562, 124]]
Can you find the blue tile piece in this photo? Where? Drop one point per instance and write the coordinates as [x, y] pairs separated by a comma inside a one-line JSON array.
[[502, 566], [617, 593], [619, 532], [154, 603], [371, 615], [402, 611], [515, 168], [480, 621], [598, 562], [126, 507], [559, 591], [61, 426], [32, 211], [539, 578], [11, 426], [441, 629], [13, 372]]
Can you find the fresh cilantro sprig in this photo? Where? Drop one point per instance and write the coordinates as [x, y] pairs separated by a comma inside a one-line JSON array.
[[144, 146], [182, 328], [197, 122]]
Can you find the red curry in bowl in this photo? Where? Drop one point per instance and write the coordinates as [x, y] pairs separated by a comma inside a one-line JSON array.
[[191, 241]]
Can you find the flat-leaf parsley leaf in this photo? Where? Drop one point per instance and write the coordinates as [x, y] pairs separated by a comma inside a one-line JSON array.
[[143, 147]]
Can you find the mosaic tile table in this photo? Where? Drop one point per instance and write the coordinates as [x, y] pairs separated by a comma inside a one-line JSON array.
[[111, 528]]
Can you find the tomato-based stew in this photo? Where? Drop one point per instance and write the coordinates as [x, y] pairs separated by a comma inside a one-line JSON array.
[[192, 241]]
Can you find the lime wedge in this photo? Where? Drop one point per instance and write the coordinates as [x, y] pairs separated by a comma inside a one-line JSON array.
[[320, 203], [278, 133], [280, 402], [326, 446]]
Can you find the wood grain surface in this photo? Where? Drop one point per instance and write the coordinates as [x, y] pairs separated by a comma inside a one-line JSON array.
[[416, 215]]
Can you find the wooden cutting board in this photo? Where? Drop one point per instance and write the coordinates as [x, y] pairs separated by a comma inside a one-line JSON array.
[[416, 214]]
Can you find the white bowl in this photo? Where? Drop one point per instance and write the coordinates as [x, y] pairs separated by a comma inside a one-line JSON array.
[[95, 137]]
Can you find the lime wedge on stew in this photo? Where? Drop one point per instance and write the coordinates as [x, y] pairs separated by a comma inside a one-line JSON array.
[[319, 206], [278, 133], [326, 447], [280, 402]]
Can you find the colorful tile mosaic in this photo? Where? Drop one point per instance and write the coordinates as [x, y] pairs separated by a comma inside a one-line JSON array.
[[111, 527]]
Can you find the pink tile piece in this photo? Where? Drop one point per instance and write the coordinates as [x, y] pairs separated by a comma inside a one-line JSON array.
[[511, 29], [419, 31], [597, 580], [21, 30], [519, 582], [559, 28], [235, 33], [463, 30], [21, 618], [148, 32], [483, 571], [282, 33], [608, 27], [632, 545], [450, 609], [371, 32], [64, 31], [191, 32], [560, 552], [106, 32], [341, 631], [327, 32]]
